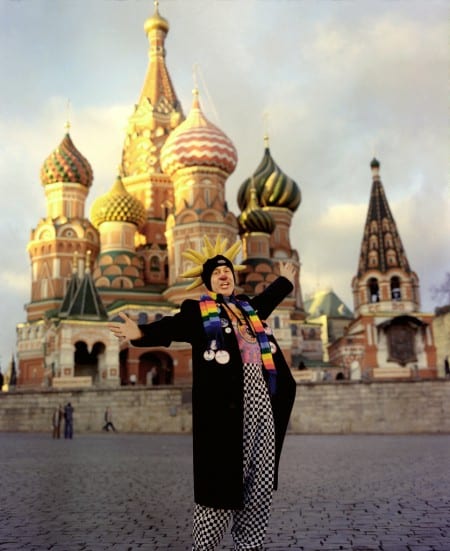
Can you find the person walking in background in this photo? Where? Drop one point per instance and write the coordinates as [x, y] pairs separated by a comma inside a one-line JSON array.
[[108, 421], [56, 421], [68, 421], [447, 368], [242, 394]]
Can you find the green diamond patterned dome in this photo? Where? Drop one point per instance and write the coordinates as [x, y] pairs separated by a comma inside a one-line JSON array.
[[117, 205], [66, 164]]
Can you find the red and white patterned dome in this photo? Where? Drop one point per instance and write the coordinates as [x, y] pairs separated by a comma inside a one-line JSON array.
[[197, 142]]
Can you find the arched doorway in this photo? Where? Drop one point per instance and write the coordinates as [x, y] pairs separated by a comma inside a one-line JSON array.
[[86, 364], [123, 358], [155, 368]]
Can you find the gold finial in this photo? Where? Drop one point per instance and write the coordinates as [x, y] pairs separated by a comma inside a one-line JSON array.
[[87, 268], [195, 76], [75, 263], [67, 124], [195, 92], [253, 202], [266, 129]]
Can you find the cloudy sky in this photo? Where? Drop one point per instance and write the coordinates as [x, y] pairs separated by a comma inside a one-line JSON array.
[[341, 81]]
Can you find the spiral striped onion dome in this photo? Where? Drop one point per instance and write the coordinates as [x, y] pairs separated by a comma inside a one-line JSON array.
[[197, 142], [117, 205], [273, 187], [254, 218], [66, 164]]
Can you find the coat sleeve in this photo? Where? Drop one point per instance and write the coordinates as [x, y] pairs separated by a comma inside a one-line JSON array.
[[179, 327], [266, 302]]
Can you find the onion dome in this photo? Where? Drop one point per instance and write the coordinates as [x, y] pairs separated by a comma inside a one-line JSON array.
[[281, 191], [117, 205], [196, 142], [254, 218], [156, 22], [66, 164], [375, 163], [273, 187]]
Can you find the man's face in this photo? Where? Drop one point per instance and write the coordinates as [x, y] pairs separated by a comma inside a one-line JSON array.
[[222, 281]]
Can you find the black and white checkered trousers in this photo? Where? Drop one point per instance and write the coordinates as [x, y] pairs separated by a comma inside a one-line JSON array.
[[250, 523]]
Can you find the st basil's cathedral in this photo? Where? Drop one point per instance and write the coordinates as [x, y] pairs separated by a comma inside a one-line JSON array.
[[127, 256]]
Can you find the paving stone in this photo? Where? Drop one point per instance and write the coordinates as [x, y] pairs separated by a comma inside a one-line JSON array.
[[128, 492]]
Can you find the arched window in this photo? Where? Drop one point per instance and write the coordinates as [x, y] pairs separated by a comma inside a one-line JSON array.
[[154, 264], [396, 293], [373, 290]]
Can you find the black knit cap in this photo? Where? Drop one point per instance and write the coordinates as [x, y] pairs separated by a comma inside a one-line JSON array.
[[211, 264]]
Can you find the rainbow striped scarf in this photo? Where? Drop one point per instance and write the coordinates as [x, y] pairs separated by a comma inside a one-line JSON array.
[[213, 329]]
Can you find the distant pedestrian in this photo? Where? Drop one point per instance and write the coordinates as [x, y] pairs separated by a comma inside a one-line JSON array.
[[56, 421], [447, 368], [108, 421], [68, 421]]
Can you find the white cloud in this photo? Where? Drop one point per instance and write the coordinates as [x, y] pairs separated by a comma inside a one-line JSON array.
[[340, 84]]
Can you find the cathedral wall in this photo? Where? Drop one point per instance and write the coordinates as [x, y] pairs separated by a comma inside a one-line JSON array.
[[320, 408]]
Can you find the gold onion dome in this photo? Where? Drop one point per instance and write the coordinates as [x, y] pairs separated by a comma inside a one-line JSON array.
[[66, 164], [117, 205], [198, 142], [254, 218], [156, 22], [273, 187]]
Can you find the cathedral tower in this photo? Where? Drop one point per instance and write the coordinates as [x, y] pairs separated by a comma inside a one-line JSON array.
[[156, 114], [384, 280], [389, 338], [66, 177], [279, 196], [199, 158]]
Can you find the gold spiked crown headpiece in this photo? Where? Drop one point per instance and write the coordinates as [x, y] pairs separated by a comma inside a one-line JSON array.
[[209, 251]]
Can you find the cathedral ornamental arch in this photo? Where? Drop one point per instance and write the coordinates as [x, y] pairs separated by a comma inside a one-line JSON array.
[[123, 259], [396, 293], [88, 363], [373, 290], [46, 233], [211, 216], [404, 339], [155, 264], [187, 217], [122, 283], [155, 368]]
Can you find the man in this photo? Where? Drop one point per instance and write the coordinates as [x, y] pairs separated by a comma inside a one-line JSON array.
[[242, 395], [68, 421]]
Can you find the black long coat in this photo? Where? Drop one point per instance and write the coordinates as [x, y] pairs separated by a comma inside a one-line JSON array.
[[217, 397]]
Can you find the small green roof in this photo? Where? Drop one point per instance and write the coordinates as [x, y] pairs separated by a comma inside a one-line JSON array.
[[326, 303]]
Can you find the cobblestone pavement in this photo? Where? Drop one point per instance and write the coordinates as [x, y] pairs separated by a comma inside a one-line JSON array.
[[133, 492]]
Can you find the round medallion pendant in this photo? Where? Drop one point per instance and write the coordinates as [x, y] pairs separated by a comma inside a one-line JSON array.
[[222, 357]]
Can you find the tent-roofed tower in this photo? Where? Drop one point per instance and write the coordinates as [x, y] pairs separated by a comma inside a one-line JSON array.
[[384, 277], [389, 338], [156, 114]]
